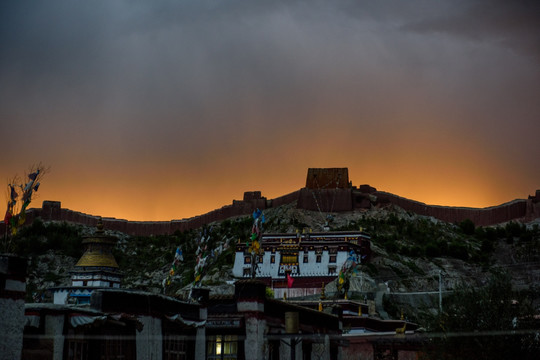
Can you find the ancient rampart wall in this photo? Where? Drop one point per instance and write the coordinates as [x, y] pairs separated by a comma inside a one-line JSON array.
[[514, 210], [327, 200], [285, 199], [327, 178], [52, 211]]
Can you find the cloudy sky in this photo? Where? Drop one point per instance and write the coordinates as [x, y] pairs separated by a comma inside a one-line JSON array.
[[159, 110]]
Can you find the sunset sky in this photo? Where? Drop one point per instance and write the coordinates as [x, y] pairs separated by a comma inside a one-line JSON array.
[[160, 110]]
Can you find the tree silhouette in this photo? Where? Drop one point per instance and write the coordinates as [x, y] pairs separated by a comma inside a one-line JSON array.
[[20, 193], [491, 322]]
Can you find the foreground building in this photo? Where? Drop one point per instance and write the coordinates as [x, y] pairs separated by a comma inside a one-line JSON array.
[[249, 325], [121, 324], [365, 335], [118, 324], [129, 325], [12, 292]]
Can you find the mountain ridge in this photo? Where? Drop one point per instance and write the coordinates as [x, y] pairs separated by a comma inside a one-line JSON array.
[[409, 252], [336, 200]]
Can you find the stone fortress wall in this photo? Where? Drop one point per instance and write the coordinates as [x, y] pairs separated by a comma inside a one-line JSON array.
[[523, 210], [327, 190], [328, 200], [53, 211]]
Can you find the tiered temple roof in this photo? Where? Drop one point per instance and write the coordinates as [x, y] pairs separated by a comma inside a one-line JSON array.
[[98, 251]]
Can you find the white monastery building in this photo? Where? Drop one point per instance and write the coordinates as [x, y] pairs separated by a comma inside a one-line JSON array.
[[312, 260]]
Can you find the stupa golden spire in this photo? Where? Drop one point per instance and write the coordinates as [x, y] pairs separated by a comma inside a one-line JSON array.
[[98, 250]]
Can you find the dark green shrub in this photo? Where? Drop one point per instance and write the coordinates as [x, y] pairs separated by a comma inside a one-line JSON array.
[[487, 246], [513, 229], [432, 250], [391, 247], [38, 238], [412, 265], [467, 227], [415, 251], [443, 247], [491, 234], [371, 269], [458, 251]]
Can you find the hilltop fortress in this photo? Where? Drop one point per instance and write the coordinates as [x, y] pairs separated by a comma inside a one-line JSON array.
[[327, 190]]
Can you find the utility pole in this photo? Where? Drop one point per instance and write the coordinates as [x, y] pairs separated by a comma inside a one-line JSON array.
[[440, 292]]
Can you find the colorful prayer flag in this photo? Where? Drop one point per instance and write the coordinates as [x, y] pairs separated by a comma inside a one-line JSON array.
[[33, 175], [257, 213], [13, 193], [7, 217], [290, 280], [179, 254], [22, 217]]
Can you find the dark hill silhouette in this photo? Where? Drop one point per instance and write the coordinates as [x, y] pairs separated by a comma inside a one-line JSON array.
[[325, 200]]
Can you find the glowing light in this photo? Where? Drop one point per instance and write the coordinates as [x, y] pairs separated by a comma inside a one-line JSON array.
[[218, 345]]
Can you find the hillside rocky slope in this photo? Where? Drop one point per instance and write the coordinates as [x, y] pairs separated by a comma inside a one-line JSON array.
[[409, 253]]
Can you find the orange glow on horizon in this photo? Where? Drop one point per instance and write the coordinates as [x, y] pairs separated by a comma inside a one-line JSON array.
[[137, 204], [153, 118], [429, 165]]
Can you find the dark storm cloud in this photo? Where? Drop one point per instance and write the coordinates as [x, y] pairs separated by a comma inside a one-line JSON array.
[[203, 63], [200, 64], [512, 24], [206, 83]]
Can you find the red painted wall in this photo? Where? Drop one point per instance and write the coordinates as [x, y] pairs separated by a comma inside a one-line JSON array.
[[335, 200]]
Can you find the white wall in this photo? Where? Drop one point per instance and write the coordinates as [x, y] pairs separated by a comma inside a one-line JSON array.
[[149, 340], [12, 322], [54, 327], [311, 268], [60, 296]]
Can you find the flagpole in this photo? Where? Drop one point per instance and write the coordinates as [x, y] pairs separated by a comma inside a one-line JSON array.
[[5, 237]]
